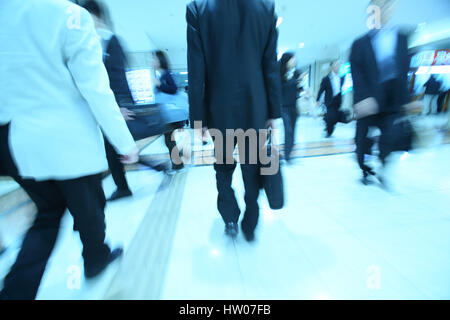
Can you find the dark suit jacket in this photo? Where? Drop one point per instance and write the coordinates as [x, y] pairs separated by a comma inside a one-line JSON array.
[[326, 86], [115, 66], [234, 76], [167, 85], [366, 74]]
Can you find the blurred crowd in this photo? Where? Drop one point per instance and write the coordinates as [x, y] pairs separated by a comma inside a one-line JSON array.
[[67, 113]]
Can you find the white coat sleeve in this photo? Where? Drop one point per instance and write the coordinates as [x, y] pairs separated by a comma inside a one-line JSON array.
[[83, 54]]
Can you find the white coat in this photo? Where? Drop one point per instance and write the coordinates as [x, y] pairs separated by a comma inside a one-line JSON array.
[[55, 91]]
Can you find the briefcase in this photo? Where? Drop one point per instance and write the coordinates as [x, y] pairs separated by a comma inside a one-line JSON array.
[[273, 184]]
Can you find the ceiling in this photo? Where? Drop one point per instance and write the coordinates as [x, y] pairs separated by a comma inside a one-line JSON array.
[[326, 27]]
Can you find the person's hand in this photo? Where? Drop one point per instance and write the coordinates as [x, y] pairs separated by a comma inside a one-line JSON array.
[[157, 82], [317, 104], [127, 114], [130, 158]]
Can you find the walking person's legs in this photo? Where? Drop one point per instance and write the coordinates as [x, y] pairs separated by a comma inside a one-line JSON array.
[[252, 183], [330, 121], [288, 123], [173, 150], [226, 199], [117, 172], [362, 146], [85, 200], [24, 277], [386, 145]]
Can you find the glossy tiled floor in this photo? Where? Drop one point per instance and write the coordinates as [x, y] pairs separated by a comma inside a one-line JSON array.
[[335, 239]]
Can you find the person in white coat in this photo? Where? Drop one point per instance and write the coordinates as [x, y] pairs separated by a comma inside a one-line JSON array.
[[55, 103]]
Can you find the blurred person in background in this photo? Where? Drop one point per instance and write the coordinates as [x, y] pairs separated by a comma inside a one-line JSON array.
[[331, 87], [380, 64], [115, 61], [165, 83], [234, 83], [432, 91], [289, 79], [51, 133]]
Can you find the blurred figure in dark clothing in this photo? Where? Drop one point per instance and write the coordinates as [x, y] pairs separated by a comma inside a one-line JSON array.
[[234, 83], [432, 91], [289, 77], [115, 61], [164, 80], [331, 86], [165, 83], [380, 64]]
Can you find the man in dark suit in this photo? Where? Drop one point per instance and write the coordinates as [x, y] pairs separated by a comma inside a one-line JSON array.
[[380, 63], [331, 85], [234, 83]]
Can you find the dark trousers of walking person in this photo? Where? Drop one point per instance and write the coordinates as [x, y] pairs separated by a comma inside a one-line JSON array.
[[173, 149], [226, 201], [289, 115], [116, 167], [85, 200], [333, 115], [385, 122]]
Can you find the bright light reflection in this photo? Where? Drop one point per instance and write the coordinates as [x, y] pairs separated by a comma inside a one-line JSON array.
[[404, 156], [215, 253]]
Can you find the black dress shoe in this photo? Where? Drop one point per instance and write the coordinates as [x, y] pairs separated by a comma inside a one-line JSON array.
[[119, 194], [114, 255], [231, 229], [248, 235]]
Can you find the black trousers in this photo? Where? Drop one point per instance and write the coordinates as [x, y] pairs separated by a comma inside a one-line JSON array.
[[385, 122], [85, 200], [172, 145], [334, 114], [389, 102], [289, 115], [116, 166], [226, 200]]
